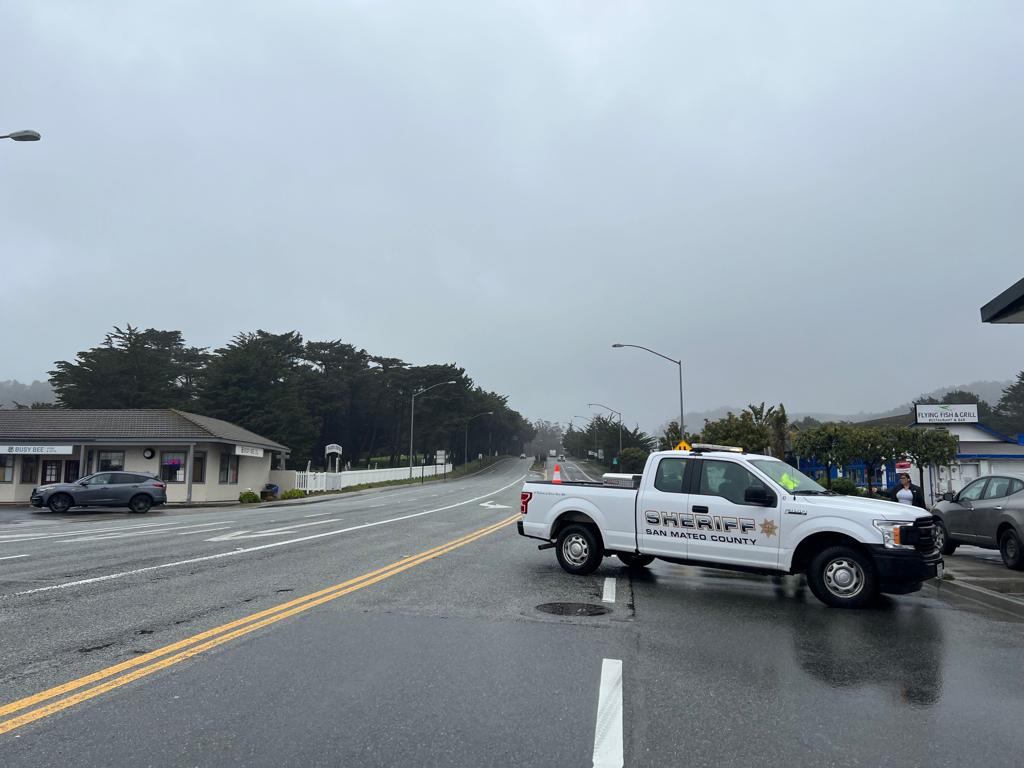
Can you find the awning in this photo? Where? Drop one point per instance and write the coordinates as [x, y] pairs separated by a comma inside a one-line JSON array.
[[1007, 307]]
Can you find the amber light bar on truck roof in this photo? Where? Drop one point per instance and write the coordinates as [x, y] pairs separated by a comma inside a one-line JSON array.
[[706, 447]]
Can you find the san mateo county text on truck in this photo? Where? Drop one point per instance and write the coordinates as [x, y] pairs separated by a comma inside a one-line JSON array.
[[719, 507]]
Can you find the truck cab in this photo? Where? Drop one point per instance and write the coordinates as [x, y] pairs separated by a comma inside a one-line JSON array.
[[720, 507]]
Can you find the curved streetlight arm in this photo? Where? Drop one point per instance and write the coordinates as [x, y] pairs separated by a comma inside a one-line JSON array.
[[682, 411], [465, 448], [648, 349], [412, 415]]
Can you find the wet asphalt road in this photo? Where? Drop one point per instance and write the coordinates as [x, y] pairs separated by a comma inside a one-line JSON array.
[[449, 662]]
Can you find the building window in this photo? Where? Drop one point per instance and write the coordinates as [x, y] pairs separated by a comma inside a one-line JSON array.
[[6, 469], [172, 466], [70, 471], [51, 472], [29, 469], [228, 468], [110, 461], [199, 467]]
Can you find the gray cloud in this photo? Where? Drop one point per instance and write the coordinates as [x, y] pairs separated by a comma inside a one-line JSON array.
[[806, 202]]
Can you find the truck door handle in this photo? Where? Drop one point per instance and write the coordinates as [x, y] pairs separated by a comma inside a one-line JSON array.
[[700, 510]]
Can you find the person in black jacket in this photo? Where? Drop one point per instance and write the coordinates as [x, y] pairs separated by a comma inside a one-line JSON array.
[[908, 493]]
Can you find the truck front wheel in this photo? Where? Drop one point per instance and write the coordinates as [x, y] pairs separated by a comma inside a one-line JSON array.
[[842, 577], [578, 549]]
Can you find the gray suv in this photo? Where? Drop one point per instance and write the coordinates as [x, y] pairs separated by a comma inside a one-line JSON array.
[[987, 513], [135, 490]]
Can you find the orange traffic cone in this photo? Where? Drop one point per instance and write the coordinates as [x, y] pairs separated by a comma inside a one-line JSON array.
[[557, 478]]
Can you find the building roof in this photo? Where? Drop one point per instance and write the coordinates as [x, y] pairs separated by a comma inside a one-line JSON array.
[[93, 426], [1007, 307]]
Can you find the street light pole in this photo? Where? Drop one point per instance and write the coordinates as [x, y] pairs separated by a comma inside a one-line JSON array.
[[617, 413], [22, 136], [465, 455], [671, 360], [412, 416]]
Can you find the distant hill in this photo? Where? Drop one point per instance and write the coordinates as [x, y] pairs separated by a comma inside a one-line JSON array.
[[12, 392], [989, 391]]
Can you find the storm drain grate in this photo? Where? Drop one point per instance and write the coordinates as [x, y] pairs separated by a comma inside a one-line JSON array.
[[573, 609]]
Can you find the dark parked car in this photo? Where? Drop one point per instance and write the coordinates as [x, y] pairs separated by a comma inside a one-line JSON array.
[[987, 513], [135, 490]]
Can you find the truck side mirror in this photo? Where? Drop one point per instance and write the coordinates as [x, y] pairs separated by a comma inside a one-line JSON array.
[[948, 496], [759, 495]]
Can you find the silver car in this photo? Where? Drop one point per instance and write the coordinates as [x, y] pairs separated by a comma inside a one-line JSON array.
[[135, 490], [987, 513]]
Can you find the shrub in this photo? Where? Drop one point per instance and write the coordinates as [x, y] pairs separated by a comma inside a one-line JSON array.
[[249, 496], [845, 486], [294, 493]]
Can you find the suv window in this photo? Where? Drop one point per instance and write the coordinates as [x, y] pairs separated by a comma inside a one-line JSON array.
[[973, 491], [126, 478], [101, 478], [1016, 486], [669, 477], [997, 488], [726, 479]]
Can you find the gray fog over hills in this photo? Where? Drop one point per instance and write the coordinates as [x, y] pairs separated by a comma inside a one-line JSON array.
[[989, 391], [14, 392]]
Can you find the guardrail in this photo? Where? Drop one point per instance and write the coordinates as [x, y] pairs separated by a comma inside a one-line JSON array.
[[336, 481]]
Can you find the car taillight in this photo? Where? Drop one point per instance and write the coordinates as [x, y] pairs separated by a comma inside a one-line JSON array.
[[524, 501], [159, 485]]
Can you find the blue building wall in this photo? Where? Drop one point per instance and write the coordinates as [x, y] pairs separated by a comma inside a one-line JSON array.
[[857, 472]]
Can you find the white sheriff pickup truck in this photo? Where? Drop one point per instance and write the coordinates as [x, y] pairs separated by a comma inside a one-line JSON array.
[[716, 506]]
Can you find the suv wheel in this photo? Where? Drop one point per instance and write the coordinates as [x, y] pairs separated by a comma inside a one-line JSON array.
[[842, 577], [578, 550], [942, 540], [1010, 549], [140, 503], [59, 502]]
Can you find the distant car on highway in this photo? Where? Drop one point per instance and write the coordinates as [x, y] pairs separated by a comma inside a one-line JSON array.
[[135, 490], [987, 513], [561, 457], [522, 455]]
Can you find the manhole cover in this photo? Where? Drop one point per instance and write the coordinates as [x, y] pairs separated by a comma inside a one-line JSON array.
[[573, 609]]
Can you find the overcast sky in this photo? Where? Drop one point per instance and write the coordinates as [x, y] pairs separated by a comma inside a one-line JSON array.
[[807, 202]]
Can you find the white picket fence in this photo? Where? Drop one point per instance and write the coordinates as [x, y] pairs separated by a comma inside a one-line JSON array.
[[335, 481]]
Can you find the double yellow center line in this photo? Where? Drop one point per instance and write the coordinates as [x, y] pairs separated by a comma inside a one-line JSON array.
[[84, 688]]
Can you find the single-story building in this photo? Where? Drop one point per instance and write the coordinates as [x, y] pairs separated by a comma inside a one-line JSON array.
[[980, 451], [200, 458]]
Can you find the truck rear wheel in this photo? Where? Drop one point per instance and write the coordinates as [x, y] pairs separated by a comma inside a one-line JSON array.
[[633, 560], [842, 577], [578, 549]]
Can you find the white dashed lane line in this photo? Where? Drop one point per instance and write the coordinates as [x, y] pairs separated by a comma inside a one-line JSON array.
[[609, 590], [608, 730], [12, 557]]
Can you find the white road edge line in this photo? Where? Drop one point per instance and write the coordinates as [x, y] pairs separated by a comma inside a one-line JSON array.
[[206, 530], [317, 514], [12, 557], [609, 590], [608, 731], [246, 550]]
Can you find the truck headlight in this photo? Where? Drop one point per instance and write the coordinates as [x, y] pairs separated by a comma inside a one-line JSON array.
[[890, 531]]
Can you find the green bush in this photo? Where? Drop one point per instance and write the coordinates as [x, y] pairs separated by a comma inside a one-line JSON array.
[[294, 493], [845, 486], [249, 497]]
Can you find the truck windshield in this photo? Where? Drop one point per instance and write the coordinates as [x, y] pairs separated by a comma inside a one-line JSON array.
[[793, 480]]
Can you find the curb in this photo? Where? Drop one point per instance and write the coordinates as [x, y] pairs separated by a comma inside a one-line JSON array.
[[990, 599]]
